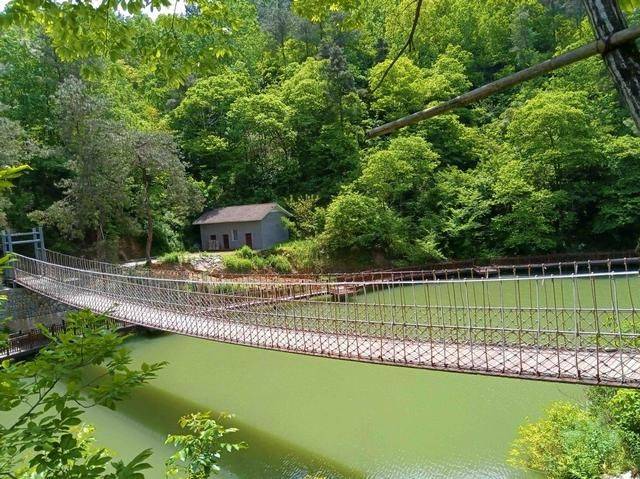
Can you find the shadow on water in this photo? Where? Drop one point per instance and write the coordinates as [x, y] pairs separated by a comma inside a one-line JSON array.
[[267, 456]]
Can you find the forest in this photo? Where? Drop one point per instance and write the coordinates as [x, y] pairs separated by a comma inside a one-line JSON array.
[[133, 124]]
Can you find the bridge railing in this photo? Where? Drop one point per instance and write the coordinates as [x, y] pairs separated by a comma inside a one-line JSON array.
[[511, 266], [582, 326]]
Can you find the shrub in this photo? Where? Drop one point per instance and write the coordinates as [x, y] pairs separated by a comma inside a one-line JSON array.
[[237, 264], [246, 253], [568, 443], [308, 217], [355, 221], [279, 263], [174, 257], [258, 263], [303, 255], [419, 252]]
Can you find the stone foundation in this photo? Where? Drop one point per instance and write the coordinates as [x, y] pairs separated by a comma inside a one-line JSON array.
[[26, 309]]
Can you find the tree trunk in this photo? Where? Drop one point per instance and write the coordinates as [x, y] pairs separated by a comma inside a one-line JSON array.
[[149, 236], [623, 62], [146, 184]]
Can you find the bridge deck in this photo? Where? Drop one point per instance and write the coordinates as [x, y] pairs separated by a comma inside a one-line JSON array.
[[261, 325]]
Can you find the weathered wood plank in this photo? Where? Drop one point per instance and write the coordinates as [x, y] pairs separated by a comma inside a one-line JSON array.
[[623, 62]]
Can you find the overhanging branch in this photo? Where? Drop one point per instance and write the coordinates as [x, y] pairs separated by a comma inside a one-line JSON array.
[[406, 45]]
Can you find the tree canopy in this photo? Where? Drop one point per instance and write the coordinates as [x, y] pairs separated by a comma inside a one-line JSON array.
[[133, 124]]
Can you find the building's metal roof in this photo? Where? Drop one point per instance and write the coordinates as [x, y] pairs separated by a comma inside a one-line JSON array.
[[240, 213]]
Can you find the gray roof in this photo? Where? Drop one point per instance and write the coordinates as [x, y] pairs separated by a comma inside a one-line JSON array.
[[235, 214]]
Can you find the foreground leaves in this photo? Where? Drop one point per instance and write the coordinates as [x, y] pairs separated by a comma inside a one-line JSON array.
[[200, 450], [52, 392]]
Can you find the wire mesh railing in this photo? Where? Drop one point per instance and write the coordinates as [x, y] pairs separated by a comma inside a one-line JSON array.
[[513, 266], [573, 323]]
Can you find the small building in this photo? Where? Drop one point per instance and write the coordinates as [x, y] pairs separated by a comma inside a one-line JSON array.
[[257, 226]]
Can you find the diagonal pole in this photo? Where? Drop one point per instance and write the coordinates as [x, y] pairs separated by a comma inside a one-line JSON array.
[[602, 47]]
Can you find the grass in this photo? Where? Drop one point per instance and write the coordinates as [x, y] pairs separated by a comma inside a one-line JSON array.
[[174, 257], [246, 260]]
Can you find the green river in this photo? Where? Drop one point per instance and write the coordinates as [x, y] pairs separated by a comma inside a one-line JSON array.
[[303, 414]]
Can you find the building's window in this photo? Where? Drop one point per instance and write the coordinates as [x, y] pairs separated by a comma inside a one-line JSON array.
[[235, 235]]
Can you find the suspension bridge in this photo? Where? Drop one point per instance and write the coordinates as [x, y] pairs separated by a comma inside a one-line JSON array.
[[571, 322]]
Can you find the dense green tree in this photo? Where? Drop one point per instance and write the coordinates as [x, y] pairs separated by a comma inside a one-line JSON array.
[[96, 201], [457, 210], [17, 148], [163, 190], [269, 99], [327, 121], [525, 215], [358, 222], [619, 203], [404, 90], [398, 172], [201, 117], [262, 139]]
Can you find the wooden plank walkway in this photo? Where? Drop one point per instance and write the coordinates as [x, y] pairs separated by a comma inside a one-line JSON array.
[[253, 324]]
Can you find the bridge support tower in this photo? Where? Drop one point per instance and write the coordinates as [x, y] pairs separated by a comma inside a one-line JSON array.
[[11, 239]]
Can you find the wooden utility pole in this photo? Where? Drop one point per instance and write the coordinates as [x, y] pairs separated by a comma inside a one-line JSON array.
[[615, 42], [623, 62]]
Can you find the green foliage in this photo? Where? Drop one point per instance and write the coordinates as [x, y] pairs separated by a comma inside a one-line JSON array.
[[174, 257], [236, 264], [200, 116], [308, 217], [245, 260], [200, 449], [321, 10], [261, 127], [55, 387], [304, 255], [403, 167], [88, 30], [568, 443], [573, 441], [246, 252], [82, 367], [268, 101], [404, 91], [355, 221], [280, 264]]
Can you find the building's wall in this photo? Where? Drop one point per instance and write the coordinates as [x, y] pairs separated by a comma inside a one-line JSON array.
[[253, 227], [265, 233], [273, 231]]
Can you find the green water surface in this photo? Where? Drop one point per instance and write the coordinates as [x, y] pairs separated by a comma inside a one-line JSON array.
[[302, 414]]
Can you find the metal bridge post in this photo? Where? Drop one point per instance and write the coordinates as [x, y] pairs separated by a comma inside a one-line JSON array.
[[4, 241], [7, 247], [38, 243], [43, 252]]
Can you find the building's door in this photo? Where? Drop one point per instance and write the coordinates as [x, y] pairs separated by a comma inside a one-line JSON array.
[[248, 240], [213, 242], [225, 241]]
